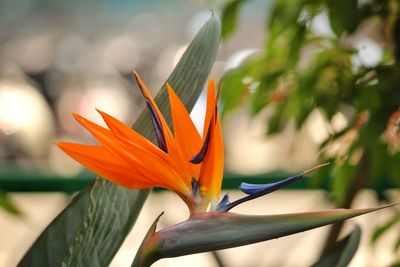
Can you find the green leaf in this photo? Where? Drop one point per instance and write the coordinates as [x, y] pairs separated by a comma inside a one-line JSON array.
[[213, 231], [92, 228], [380, 230], [229, 17], [344, 176], [339, 14], [343, 252], [8, 205], [53, 244]]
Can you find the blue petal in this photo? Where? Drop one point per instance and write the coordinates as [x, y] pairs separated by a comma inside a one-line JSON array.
[[195, 187], [223, 203], [257, 190], [254, 191]]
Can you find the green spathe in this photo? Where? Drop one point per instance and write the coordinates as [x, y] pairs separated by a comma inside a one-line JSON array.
[[213, 231]]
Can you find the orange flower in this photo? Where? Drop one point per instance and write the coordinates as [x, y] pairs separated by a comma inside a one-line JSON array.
[[184, 162]]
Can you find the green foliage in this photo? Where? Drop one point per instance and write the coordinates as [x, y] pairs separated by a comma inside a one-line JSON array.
[[92, 228], [382, 229], [391, 224], [339, 14], [7, 204], [301, 69], [214, 231], [53, 244], [229, 17], [343, 251], [326, 79]]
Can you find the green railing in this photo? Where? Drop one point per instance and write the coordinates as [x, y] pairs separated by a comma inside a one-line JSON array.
[[22, 180]]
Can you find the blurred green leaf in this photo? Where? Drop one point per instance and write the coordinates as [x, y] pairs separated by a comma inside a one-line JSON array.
[[232, 90], [342, 179], [343, 252], [266, 88], [343, 15], [275, 124], [331, 74], [379, 231], [235, 85], [229, 17], [92, 228], [7, 204], [214, 231], [397, 244]]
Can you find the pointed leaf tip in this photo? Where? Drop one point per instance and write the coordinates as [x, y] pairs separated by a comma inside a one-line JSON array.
[[221, 230], [315, 168]]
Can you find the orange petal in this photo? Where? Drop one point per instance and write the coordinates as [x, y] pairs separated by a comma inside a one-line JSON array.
[[187, 137], [210, 109], [173, 150], [167, 131], [124, 132], [213, 164], [98, 160], [150, 162]]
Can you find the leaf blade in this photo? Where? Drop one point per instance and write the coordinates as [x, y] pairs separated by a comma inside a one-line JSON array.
[[343, 252], [214, 231]]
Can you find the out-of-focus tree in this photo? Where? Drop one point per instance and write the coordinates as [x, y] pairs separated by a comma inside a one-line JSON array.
[[339, 57]]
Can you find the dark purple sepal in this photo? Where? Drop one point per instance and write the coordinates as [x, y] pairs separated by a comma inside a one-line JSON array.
[[195, 187], [157, 126], [198, 158]]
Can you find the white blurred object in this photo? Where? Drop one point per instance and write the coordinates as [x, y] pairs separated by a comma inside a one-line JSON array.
[[72, 48], [108, 95], [369, 54], [25, 114], [149, 29], [320, 25], [239, 57], [122, 52], [33, 53], [178, 55]]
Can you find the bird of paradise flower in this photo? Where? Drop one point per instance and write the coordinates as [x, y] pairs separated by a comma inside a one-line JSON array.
[[184, 162], [192, 166]]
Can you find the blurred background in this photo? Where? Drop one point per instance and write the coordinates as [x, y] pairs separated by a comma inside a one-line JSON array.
[[303, 83]]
